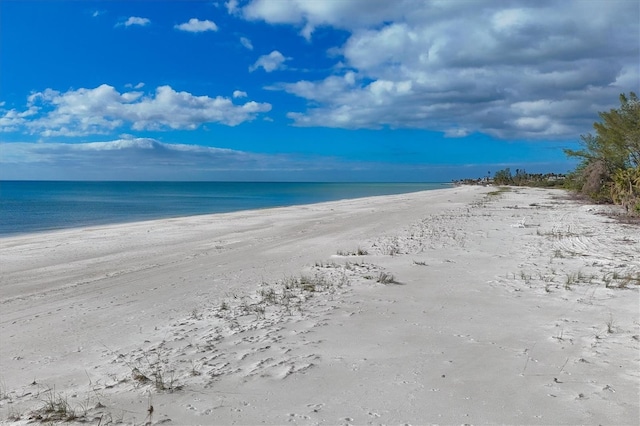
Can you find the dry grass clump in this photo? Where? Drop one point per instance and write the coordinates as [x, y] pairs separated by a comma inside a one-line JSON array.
[[55, 408], [387, 278], [358, 252]]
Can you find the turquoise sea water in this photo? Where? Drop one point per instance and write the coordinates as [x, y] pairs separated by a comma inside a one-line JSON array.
[[32, 206]]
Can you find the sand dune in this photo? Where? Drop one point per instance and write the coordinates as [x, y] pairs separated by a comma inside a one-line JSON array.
[[458, 306]]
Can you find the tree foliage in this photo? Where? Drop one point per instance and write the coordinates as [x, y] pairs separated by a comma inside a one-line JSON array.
[[610, 159], [625, 189], [503, 177]]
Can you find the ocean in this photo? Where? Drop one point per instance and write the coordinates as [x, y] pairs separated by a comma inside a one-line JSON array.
[[34, 206]]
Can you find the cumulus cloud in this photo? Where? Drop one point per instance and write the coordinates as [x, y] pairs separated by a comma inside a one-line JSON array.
[[195, 25], [460, 67], [271, 62], [239, 94], [135, 20], [104, 109], [12, 120]]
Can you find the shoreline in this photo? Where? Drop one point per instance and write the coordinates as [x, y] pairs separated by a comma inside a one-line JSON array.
[[440, 306], [196, 199]]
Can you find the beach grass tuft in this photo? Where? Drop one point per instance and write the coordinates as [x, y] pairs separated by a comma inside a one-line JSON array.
[[386, 278]]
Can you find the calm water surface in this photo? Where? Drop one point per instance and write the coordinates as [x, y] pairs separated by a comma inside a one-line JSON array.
[[31, 206]]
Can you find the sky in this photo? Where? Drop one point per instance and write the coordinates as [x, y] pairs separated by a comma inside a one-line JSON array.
[[306, 90]]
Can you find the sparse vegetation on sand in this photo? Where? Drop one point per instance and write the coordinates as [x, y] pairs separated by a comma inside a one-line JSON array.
[[358, 252], [387, 278], [501, 190], [478, 284]]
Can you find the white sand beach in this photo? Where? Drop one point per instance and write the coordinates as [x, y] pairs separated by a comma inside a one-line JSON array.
[[466, 305]]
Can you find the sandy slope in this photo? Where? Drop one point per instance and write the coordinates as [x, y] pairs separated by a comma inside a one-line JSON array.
[[272, 316]]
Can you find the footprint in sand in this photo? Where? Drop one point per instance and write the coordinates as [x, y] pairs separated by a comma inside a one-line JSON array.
[[315, 407], [293, 417]]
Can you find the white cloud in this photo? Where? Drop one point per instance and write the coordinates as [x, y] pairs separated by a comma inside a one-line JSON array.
[[461, 68], [12, 120], [456, 133], [246, 43], [104, 109], [137, 86], [232, 6], [271, 62], [135, 20], [131, 157], [149, 159], [239, 94], [195, 25], [344, 14]]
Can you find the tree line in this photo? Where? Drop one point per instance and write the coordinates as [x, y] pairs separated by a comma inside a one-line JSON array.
[[609, 168], [522, 178]]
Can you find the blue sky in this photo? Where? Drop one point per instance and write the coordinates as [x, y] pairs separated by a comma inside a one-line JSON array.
[[335, 90]]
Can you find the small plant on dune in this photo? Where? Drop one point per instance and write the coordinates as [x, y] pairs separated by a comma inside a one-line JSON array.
[[289, 283], [392, 247], [571, 279], [13, 415], [361, 252], [611, 324], [154, 371], [526, 278], [358, 252], [307, 284], [259, 311], [268, 295], [3, 391], [625, 280], [312, 284], [386, 278], [344, 280], [56, 408]]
